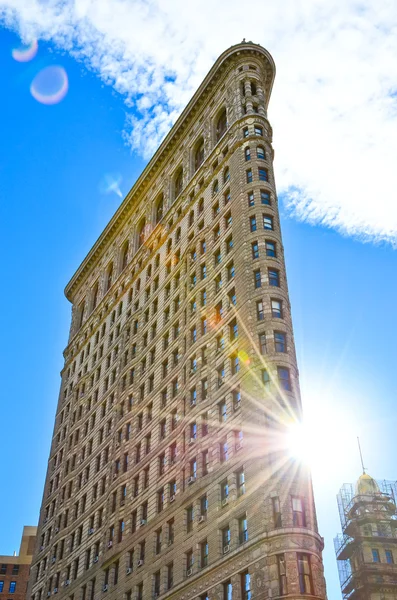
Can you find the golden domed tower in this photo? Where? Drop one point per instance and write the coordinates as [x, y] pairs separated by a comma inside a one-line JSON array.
[[367, 549]]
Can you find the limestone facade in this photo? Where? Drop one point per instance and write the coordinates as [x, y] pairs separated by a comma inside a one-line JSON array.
[[168, 475]]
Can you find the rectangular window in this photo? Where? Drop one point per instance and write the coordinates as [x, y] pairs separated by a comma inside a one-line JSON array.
[[251, 199], [1, 586], [270, 248], [298, 512], [255, 250], [280, 341], [227, 591], [282, 575], [156, 584], [189, 562], [267, 222], [260, 315], [170, 532], [203, 554], [243, 529], [236, 399], [233, 330], [274, 277], [265, 378], [305, 575], [277, 312], [226, 539], [257, 279], [277, 521], [252, 223], [375, 555], [263, 176], [246, 586], [262, 343], [249, 175], [265, 197], [222, 411], [13, 587], [224, 492], [235, 364], [284, 378], [240, 482], [224, 451], [260, 153], [189, 518], [170, 575], [203, 505]]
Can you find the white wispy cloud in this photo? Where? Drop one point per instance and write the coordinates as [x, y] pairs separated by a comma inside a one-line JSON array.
[[334, 105]]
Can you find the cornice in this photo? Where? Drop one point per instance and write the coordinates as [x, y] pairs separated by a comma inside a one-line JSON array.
[[159, 158]]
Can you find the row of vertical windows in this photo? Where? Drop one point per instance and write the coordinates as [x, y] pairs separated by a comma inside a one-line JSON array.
[[264, 198], [262, 175], [267, 222], [305, 578], [260, 153], [11, 588], [283, 377]]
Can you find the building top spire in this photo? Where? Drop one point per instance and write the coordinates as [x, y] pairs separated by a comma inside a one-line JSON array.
[[361, 455]]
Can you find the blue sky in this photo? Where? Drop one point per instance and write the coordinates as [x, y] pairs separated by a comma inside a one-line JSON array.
[[53, 164]]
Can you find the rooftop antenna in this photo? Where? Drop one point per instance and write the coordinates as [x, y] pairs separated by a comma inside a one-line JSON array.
[[361, 455]]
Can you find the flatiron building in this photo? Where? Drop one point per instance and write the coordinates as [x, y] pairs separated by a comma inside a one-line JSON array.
[[168, 475]]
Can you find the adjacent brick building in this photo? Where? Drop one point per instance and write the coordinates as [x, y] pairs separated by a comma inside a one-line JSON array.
[[14, 570], [168, 474]]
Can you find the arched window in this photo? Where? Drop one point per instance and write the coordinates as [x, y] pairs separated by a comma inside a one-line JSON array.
[[95, 295], [141, 232], [124, 255], [221, 125], [215, 187], [109, 279], [226, 175], [178, 185], [199, 154], [160, 209], [260, 152]]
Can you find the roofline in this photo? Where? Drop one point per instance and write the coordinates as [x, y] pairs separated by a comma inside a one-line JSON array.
[[223, 58]]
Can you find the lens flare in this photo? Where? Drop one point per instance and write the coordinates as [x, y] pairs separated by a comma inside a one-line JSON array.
[[243, 356], [110, 184], [50, 85], [25, 52]]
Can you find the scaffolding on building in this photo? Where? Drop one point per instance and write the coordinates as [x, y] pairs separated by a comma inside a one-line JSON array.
[[354, 514]]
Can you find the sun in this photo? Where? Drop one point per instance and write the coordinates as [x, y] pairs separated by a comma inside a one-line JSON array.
[[299, 441], [316, 440]]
